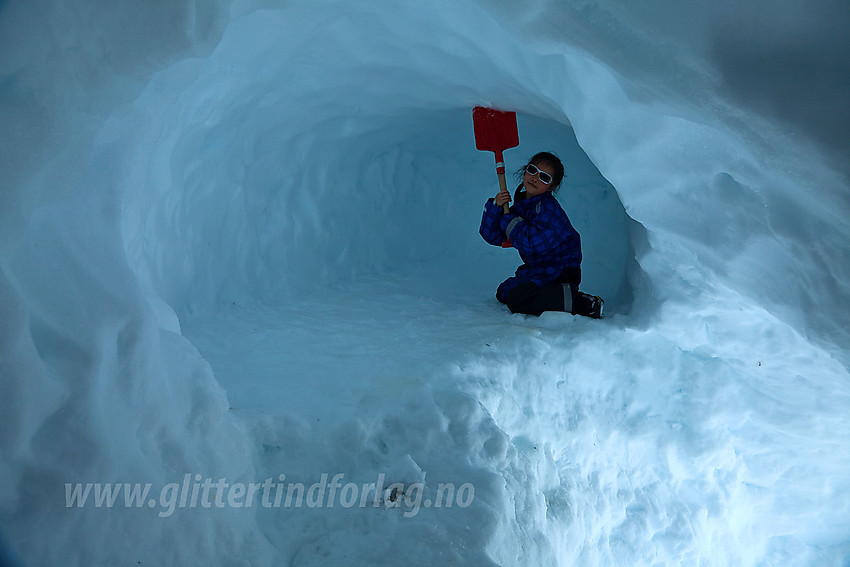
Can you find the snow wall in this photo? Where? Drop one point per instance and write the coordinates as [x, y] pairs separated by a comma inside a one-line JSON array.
[[166, 159]]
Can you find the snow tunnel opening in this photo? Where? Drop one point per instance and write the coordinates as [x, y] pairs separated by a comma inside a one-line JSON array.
[[366, 258], [270, 170], [271, 213]]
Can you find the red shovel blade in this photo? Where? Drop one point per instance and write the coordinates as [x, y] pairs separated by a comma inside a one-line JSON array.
[[495, 130]]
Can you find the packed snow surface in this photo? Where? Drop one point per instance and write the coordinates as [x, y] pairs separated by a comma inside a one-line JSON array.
[[247, 318]]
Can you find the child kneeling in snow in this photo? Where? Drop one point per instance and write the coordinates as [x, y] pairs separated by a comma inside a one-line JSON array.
[[549, 246]]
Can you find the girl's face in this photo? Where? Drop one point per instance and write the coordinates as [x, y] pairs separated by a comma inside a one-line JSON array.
[[532, 184]]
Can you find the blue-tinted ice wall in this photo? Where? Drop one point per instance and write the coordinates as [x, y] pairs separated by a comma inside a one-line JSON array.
[[280, 162]]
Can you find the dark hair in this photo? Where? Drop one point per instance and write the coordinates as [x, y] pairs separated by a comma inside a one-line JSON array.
[[549, 159]]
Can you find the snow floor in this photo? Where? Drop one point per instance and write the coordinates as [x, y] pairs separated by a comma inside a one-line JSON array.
[[588, 442]]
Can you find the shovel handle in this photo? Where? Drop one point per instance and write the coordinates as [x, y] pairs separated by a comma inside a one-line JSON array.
[[503, 186], [500, 171]]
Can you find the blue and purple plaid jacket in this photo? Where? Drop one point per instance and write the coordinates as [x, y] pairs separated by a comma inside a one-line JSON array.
[[539, 229]]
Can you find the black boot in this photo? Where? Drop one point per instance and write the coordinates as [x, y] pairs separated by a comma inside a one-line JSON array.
[[587, 305]]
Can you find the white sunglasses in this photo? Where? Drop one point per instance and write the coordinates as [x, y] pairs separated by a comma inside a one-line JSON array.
[[532, 169]]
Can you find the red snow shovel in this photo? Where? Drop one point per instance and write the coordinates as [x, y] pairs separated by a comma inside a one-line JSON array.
[[496, 131]]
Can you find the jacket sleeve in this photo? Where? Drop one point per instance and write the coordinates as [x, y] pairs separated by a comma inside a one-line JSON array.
[[491, 228], [548, 230]]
